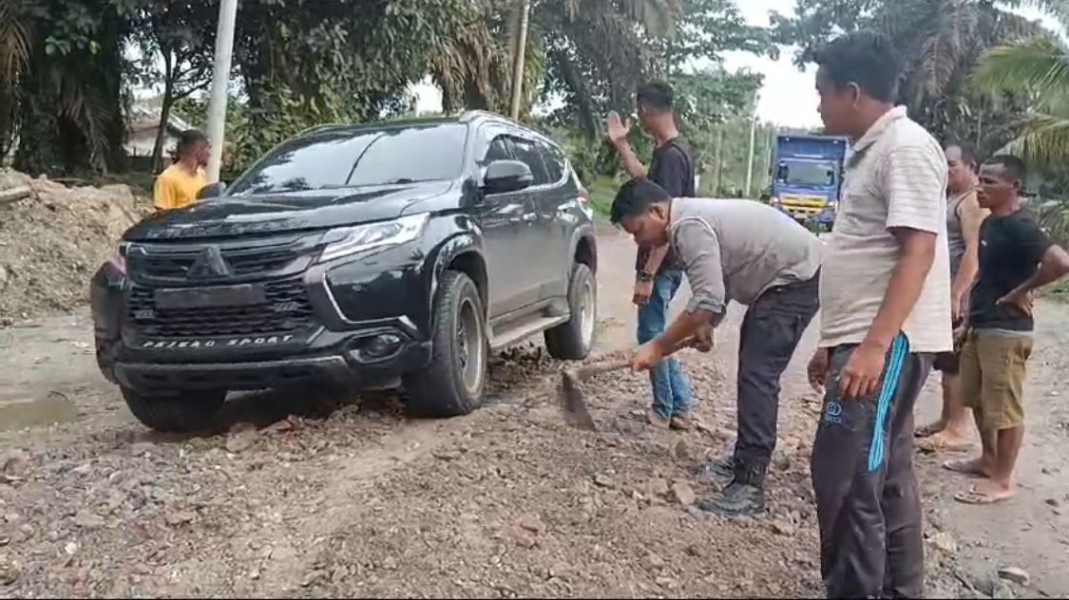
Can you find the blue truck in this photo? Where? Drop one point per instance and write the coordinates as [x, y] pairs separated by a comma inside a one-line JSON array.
[[807, 175]]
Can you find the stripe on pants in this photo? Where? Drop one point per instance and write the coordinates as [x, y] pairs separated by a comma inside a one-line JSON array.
[[891, 374]]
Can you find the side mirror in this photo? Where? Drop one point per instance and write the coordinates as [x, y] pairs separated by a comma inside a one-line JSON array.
[[503, 176], [212, 190]]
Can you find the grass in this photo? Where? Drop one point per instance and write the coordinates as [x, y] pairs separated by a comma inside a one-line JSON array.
[[602, 190]]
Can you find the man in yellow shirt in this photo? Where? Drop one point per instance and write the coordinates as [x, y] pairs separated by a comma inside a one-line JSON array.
[[179, 183]]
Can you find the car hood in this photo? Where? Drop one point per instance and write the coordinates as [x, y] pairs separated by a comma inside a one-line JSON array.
[[290, 211]]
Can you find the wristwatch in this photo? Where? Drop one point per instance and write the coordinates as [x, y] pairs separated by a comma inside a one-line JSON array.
[[645, 276]]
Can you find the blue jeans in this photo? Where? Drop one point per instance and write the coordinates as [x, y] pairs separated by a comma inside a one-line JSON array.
[[671, 391]]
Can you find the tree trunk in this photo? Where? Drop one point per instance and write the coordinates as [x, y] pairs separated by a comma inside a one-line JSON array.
[[161, 130]]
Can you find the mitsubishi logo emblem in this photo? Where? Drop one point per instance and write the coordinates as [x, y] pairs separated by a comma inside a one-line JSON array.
[[209, 264]]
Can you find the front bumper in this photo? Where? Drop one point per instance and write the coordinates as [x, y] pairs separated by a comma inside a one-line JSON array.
[[337, 369], [348, 334]]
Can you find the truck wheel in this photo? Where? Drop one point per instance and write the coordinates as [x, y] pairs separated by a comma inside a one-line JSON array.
[[175, 412], [574, 339], [453, 383]]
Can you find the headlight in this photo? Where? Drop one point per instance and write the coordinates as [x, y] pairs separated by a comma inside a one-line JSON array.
[[118, 260], [347, 241]]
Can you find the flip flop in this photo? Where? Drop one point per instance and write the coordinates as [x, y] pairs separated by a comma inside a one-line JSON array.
[[926, 430], [938, 443], [976, 497], [959, 466]]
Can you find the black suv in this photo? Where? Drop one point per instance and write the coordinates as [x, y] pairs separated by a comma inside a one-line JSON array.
[[357, 256]]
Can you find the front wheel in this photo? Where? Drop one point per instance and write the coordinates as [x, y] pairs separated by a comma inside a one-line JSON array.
[[452, 385], [573, 340], [175, 412]]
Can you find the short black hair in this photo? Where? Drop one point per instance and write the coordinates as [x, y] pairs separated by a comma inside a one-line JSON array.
[[1014, 165], [656, 95], [635, 198], [968, 153], [865, 58], [187, 139]]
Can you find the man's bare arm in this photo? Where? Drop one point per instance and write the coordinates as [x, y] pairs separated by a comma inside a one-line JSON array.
[[656, 257], [971, 217], [1054, 266], [915, 257], [629, 159]]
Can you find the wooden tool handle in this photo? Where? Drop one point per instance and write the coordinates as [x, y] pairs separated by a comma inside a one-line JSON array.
[[620, 364]]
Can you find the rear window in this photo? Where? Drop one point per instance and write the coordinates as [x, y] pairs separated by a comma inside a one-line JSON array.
[[344, 159]]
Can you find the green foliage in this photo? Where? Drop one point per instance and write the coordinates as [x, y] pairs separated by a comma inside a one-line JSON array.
[[69, 95], [940, 41]]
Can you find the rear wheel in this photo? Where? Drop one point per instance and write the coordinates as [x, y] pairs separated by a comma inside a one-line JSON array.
[[573, 340], [453, 383], [175, 412]]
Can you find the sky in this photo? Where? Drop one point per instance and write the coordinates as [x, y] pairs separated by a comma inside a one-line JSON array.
[[788, 96]]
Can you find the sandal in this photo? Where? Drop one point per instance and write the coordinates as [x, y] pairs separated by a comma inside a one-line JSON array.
[[976, 496], [927, 430], [964, 467], [939, 443]]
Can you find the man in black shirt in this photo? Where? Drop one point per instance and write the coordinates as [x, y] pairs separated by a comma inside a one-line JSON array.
[[1016, 258], [658, 272]]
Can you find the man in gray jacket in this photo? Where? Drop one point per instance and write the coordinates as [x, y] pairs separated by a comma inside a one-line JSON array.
[[757, 256]]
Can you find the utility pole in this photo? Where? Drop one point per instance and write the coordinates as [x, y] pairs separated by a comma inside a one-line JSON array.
[[517, 65], [224, 50], [753, 134], [719, 157]]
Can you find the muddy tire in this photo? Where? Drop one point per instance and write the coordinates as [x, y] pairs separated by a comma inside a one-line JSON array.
[[453, 384], [574, 339], [175, 412]]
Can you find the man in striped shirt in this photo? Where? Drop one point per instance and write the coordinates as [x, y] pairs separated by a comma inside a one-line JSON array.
[[885, 313]]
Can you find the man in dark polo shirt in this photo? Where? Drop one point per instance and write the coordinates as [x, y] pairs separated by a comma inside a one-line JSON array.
[[658, 272]]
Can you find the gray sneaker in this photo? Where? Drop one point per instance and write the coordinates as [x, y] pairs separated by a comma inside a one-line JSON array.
[[720, 470], [736, 500]]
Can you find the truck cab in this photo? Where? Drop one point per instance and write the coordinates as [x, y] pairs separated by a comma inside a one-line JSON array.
[[807, 175]]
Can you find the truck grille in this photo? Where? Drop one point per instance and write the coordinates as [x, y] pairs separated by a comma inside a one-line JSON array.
[[243, 262], [287, 310]]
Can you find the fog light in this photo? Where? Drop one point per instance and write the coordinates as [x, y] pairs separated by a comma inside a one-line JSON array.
[[382, 346]]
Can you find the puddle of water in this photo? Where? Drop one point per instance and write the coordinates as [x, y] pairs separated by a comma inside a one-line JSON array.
[[36, 412]]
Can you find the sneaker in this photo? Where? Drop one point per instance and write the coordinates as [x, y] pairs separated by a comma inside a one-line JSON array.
[[721, 470], [682, 422], [657, 421], [736, 500]]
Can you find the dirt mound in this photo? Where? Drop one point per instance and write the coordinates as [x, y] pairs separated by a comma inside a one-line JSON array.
[[52, 239]]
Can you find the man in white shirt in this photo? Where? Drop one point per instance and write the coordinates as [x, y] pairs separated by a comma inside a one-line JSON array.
[[885, 313]]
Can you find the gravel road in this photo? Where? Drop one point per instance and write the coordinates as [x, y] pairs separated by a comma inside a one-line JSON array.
[[316, 496]]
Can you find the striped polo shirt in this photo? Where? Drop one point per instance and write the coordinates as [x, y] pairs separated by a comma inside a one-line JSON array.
[[895, 177]]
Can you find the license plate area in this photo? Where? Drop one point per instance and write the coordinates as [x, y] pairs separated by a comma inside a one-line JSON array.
[[210, 297]]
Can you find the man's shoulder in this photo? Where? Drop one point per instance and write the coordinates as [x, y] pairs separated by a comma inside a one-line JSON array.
[[907, 134]]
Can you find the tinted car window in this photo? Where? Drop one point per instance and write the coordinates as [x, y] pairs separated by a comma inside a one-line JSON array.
[[498, 150], [381, 156], [554, 161], [419, 154], [306, 163], [527, 152]]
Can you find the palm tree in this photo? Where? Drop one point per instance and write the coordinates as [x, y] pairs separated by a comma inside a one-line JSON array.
[[1040, 68]]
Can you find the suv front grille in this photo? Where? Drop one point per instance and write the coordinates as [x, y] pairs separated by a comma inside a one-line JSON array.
[[243, 262], [287, 310]]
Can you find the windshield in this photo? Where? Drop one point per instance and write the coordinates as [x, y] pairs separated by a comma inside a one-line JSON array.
[[806, 174], [347, 159]]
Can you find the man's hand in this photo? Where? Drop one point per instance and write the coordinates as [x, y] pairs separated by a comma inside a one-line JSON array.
[[861, 375], [647, 356], [1025, 301], [703, 338], [643, 291], [957, 305], [818, 369], [618, 129]]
